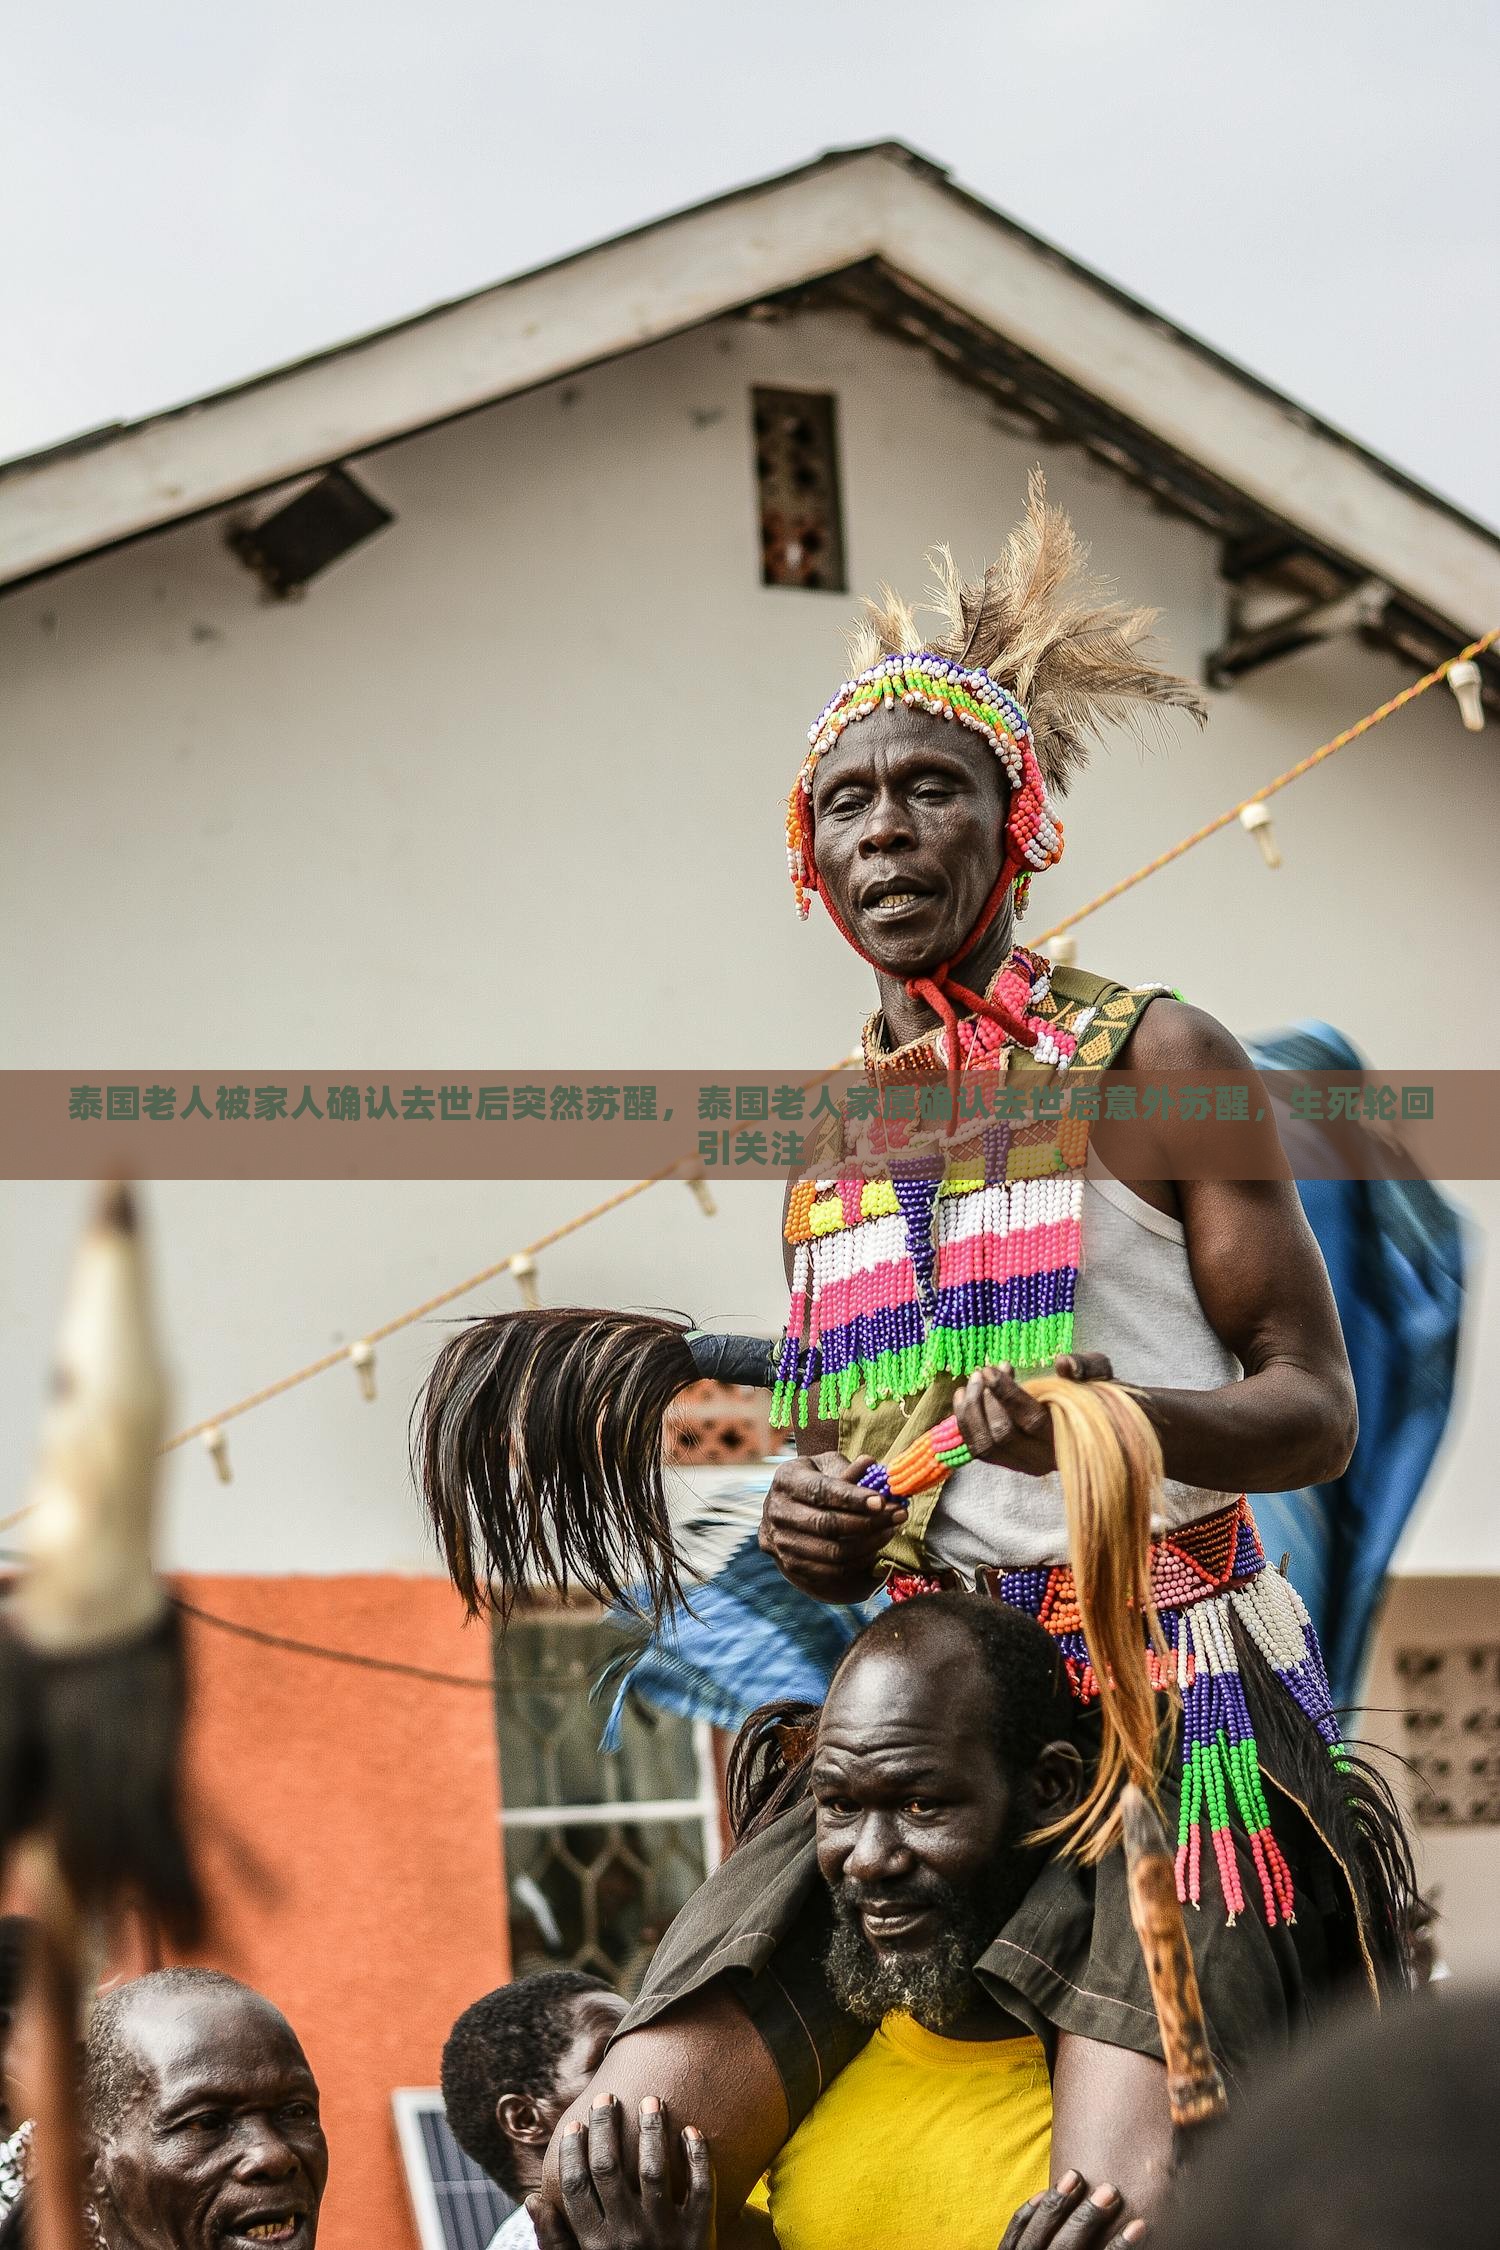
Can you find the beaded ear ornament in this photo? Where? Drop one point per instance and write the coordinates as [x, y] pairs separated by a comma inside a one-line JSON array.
[[967, 696]]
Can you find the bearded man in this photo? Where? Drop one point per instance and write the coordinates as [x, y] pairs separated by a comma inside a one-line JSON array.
[[947, 1738], [919, 1964]]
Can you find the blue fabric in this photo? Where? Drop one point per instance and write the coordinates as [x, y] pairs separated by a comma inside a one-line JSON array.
[[747, 1638], [1395, 1254]]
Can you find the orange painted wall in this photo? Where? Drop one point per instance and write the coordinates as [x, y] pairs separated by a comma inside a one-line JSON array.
[[368, 1900]]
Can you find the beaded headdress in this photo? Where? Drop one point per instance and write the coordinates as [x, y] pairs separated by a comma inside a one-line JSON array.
[[1035, 657], [923, 680]]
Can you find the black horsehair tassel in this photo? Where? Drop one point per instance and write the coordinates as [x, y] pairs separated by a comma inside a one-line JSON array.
[[538, 1447]]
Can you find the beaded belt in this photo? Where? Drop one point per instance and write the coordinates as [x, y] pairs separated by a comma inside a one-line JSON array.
[[1204, 1576], [1189, 1565]]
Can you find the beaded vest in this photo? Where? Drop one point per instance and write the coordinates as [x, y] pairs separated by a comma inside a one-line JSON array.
[[906, 1282]]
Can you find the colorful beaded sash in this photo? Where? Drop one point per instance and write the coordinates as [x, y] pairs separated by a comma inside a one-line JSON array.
[[1202, 1576], [940, 1268]]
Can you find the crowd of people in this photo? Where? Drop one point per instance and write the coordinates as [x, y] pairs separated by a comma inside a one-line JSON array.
[[200, 2113]]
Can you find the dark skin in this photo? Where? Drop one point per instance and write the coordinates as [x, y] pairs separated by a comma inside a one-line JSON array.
[[608, 2205], [901, 1730], [218, 2146], [907, 1786], [909, 816], [702, 2060], [528, 2121], [1069, 2217]]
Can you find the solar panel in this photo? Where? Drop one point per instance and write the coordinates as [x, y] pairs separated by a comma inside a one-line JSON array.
[[455, 2204]]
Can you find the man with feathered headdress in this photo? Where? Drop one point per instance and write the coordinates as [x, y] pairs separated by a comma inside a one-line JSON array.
[[928, 1296], [922, 1300], [922, 812]]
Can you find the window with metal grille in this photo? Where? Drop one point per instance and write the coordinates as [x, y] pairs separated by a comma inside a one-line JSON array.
[[797, 472], [600, 1850]]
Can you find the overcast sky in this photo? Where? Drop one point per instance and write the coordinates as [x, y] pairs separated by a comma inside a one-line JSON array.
[[195, 190]]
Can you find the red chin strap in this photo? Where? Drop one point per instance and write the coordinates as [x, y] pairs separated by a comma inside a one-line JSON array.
[[941, 990]]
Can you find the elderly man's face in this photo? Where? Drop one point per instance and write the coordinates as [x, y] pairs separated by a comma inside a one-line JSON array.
[[219, 2145], [909, 835]]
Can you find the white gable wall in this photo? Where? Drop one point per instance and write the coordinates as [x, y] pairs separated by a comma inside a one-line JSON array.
[[505, 791]]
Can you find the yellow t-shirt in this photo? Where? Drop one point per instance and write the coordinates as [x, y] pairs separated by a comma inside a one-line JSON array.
[[919, 2141]]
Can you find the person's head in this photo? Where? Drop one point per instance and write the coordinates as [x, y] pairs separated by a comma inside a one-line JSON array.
[[910, 817], [946, 1738], [516, 2060], [922, 809], [1376, 2135], [200, 2118]]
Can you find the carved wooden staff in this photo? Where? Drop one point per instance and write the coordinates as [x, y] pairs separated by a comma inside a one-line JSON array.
[[1195, 2091]]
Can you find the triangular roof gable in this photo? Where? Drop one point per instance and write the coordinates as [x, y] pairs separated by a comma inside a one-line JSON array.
[[880, 206]]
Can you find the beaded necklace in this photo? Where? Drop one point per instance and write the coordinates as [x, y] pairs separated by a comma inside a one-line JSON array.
[[939, 1269]]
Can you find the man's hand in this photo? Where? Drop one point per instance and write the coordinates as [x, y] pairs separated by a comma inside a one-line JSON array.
[[604, 2210], [1064, 2218], [1004, 1424], [823, 1531]]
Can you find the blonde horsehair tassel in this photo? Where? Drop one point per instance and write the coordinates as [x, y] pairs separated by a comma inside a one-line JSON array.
[[1109, 1464]]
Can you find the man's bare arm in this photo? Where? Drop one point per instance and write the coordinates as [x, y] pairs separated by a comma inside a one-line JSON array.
[[1110, 2121], [1261, 1281], [706, 2061]]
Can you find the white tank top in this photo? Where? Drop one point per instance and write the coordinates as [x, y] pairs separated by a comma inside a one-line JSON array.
[[1136, 1301]]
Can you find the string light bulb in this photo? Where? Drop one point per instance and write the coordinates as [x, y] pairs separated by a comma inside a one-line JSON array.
[[524, 1270], [362, 1360], [1467, 683], [1255, 819], [703, 1195], [216, 1446]]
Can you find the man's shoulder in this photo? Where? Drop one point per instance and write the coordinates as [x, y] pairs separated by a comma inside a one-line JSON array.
[[1099, 1013], [1068, 1960], [1172, 1034], [516, 2232]]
